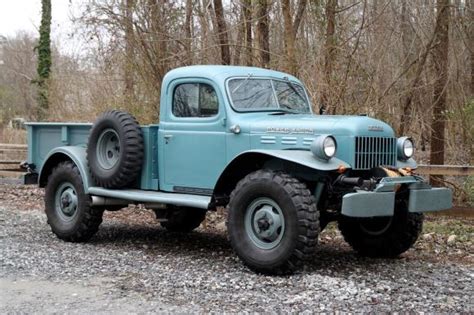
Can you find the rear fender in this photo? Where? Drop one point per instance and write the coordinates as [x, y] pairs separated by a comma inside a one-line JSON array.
[[75, 154]]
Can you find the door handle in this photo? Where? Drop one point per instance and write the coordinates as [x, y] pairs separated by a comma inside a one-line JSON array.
[[167, 138]]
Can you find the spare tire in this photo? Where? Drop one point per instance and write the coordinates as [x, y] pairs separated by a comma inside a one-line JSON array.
[[115, 150]]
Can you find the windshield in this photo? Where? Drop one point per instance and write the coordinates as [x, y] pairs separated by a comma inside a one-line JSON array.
[[249, 94]]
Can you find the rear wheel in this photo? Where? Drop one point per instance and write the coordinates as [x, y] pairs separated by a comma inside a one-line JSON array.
[[383, 236], [184, 219], [273, 223], [68, 207]]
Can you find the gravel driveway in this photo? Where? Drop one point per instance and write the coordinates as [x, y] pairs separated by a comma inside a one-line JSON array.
[[134, 266]]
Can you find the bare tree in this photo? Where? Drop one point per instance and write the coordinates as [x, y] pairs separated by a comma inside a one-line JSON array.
[[380, 57], [291, 30], [470, 14], [263, 33], [247, 15], [129, 50], [440, 61], [188, 27], [329, 54], [222, 32], [17, 70]]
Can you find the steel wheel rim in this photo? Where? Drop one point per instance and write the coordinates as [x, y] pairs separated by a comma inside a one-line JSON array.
[[108, 149], [66, 201], [264, 223], [373, 228]]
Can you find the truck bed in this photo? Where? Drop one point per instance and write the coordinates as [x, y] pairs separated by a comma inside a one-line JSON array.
[[45, 136]]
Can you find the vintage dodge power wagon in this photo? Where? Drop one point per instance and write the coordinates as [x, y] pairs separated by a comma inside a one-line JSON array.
[[246, 139]]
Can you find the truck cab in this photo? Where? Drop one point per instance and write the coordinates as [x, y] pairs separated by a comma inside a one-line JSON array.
[[247, 139]]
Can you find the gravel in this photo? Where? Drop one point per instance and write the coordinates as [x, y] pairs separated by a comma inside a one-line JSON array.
[[134, 266]]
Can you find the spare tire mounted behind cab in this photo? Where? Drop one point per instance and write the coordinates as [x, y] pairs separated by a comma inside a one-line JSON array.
[[115, 150]]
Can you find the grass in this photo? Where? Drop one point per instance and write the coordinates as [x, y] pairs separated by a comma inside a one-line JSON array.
[[445, 227]]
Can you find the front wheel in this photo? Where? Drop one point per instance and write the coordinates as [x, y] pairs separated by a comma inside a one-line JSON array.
[[383, 236], [273, 223], [68, 207]]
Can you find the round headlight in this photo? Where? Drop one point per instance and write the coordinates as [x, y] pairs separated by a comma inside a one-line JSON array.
[[329, 146], [324, 147], [405, 148]]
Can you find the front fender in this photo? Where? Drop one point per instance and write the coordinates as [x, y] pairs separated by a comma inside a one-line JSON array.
[[250, 161], [302, 157], [74, 153]]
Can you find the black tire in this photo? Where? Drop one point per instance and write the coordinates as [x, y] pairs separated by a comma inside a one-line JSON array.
[[121, 166], [80, 222], [184, 219], [384, 237], [295, 244]]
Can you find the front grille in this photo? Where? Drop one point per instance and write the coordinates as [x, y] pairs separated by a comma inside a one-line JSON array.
[[374, 151]]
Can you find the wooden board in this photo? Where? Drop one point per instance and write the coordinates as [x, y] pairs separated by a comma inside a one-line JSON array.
[[449, 170]]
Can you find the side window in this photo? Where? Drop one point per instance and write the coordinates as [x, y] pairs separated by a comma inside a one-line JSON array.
[[195, 100]]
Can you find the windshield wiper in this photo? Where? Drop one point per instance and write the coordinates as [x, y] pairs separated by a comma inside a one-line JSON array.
[[292, 86], [240, 85]]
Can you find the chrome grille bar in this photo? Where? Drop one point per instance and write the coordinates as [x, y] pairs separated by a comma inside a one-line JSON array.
[[374, 151]]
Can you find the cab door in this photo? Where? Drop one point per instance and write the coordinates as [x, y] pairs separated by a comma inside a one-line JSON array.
[[192, 137]]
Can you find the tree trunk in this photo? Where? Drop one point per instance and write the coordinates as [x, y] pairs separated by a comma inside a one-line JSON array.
[[329, 55], [470, 15], [470, 36], [202, 13], [44, 59], [263, 33], [290, 32], [189, 31], [247, 12], [440, 60], [222, 32], [156, 47], [291, 64], [129, 52], [406, 55], [240, 38], [299, 16]]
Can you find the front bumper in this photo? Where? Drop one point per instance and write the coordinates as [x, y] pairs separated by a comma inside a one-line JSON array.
[[381, 201]]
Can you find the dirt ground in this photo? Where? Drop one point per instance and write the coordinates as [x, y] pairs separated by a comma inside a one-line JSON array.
[[134, 266]]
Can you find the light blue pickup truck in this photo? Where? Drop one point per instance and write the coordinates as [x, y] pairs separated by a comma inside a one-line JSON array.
[[245, 138]]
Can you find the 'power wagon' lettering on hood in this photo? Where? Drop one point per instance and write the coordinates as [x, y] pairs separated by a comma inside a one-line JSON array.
[[290, 130]]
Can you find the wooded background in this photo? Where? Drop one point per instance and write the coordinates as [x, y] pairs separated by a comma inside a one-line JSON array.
[[409, 63]]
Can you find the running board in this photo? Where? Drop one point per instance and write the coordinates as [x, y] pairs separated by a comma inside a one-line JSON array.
[[146, 196]]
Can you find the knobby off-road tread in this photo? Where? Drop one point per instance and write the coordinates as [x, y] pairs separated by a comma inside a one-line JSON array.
[[132, 150], [89, 218], [307, 219], [402, 234], [184, 219]]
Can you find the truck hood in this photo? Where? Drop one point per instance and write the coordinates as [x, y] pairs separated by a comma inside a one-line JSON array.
[[296, 124]]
